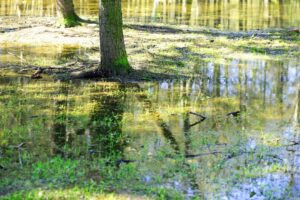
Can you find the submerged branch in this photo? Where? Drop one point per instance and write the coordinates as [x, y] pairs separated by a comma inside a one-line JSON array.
[[204, 154], [198, 122], [199, 115]]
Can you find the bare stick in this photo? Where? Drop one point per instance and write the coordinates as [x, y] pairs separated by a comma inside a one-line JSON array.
[[197, 114], [203, 154], [198, 122]]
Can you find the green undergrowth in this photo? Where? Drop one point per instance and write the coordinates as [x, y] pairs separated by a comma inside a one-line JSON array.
[[74, 179], [88, 176]]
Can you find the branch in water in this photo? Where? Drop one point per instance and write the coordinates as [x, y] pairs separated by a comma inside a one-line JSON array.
[[198, 122], [203, 154], [199, 115]]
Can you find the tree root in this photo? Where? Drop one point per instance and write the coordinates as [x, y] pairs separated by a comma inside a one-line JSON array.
[[92, 73]]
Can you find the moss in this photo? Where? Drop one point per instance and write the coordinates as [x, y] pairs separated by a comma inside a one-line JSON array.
[[71, 20], [256, 50], [123, 61], [122, 66]]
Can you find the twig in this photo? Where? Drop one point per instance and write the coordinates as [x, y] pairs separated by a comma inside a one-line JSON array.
[[17, 56], [19, 147], [203, 154], [199, 115], [235, 113], [198, 122]]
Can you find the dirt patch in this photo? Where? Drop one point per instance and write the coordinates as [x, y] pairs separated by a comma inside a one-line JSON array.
[[41, 31]]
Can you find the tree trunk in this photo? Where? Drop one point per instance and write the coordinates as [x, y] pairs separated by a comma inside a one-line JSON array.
[[113, 53], [66, 12]]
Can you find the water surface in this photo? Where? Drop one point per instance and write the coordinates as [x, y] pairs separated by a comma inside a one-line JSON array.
[[153, 122], [222, 14]]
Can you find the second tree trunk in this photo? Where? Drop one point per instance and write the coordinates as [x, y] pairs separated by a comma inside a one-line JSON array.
[[67, 13]]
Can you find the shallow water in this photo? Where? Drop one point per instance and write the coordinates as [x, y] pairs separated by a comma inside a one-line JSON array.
[[222, 14], [39, 55], [253, 155]]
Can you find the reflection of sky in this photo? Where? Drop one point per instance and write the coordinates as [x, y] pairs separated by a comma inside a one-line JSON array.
[[273, 186], [256, 78], [164, 85]]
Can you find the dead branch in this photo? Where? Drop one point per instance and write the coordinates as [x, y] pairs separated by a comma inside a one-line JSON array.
[[204, 154], [197, 114]]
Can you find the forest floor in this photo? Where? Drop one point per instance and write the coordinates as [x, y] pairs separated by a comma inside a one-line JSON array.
[[155, 51]]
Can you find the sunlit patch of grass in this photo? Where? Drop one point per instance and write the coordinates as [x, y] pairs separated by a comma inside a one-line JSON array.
[[73, 193], [43, 62], [223, 48]]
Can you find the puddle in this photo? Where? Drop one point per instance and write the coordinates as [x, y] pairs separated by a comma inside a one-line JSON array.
[[40, 55]]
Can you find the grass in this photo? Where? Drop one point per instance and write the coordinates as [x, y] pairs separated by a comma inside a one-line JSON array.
[[74, 193], [65, 178]]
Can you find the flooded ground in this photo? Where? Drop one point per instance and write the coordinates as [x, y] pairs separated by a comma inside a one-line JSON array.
[[222, 14], [44, 55], [182, 135], [222, 123]]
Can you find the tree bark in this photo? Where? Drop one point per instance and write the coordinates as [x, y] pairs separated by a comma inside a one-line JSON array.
[[113, 52], [66, 12]]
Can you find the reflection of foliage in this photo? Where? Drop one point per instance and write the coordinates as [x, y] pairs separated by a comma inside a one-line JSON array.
[[106, 124]]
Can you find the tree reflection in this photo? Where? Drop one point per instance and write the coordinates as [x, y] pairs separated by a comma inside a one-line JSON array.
[[60, 135], [106, 123], [103, 133], [225, 14]]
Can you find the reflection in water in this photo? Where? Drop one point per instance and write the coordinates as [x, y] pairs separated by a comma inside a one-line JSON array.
[[293, 152], [108, 120], [223, 14], [61, 134], [102, 129], [105, 123], [42, 55]]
